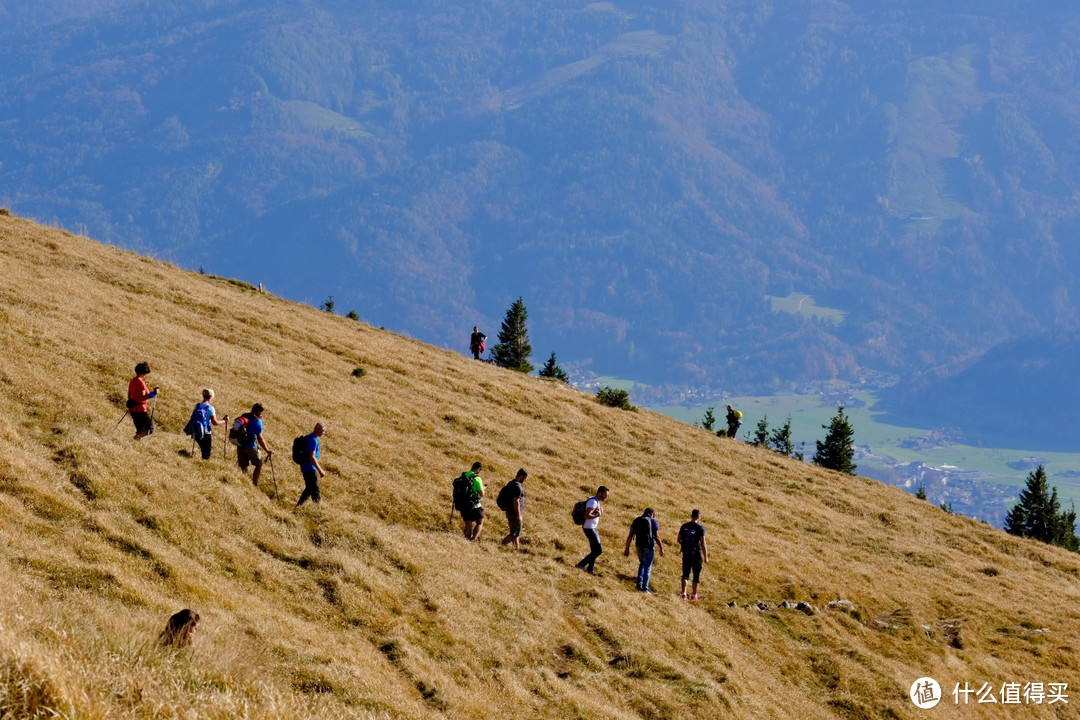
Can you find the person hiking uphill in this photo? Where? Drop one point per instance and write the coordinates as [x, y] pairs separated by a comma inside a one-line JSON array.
[[645, 532], [511, 500], [734, 421], [694, 552], [249, 438], [310, 468], [201, 425], [477, 342], [467, 498], [593, 511], [138, 395]]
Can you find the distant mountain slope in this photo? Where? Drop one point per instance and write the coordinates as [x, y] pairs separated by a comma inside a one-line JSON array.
[[1022, 394], [644, 174], [372, 605]]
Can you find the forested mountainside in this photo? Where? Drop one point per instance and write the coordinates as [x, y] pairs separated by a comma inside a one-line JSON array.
[[664, 183], [826, 596]]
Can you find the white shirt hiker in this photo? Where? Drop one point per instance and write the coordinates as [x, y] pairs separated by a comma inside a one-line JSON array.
[[590, 505]]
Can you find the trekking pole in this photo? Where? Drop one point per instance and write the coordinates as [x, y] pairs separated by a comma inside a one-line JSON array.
[[121, 419], [273, 476], [192, 446], [153, 407]]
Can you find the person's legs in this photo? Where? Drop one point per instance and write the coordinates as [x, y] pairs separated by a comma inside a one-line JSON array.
[[515, 531], [686, 569], [142, 424], [311, 488], [206, 445], [257, 464], [588, 562], [478, 525], [645, 563], [697, 578]]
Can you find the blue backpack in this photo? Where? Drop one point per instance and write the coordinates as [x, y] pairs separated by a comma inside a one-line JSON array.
[[199, 423]]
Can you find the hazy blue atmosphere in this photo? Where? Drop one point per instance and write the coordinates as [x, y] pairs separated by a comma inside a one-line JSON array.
[[746, 197]]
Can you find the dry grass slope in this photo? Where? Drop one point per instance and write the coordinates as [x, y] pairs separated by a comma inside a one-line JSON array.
[[370, 606]]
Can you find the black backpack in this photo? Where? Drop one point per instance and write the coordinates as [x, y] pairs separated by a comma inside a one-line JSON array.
[[464, 496], [507, 496], [299, 449], [578, 513]]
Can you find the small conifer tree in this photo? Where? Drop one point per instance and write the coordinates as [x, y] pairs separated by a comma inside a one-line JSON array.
[[761, 434], [1038, 514], [513, 349], [328, 304], [837, 451], [709, 420], [781, 439], [551, 369]]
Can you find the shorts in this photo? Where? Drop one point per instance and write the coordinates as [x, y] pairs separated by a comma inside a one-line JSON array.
[[475, 514], [691, 563], [248, 456], [142, 422], [515, 526]]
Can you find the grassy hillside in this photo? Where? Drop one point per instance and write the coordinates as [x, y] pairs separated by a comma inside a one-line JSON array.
[[372, 606]]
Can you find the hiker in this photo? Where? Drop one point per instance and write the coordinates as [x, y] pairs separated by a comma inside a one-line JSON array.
[[645, 532], [310, 468], [593, 511], [468, 496], [512, 501], [138, 395], [203, 419], [249, 438], [477, 342], [734, 421], [694, 552]]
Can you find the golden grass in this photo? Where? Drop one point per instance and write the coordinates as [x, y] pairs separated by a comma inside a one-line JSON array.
[[371, 605]]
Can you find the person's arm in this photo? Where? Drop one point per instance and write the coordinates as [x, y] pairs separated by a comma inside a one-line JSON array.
[[262, 444], [215, 421], [704, 551], [315, 461], [659, 544], [519, 502], [628, 539]]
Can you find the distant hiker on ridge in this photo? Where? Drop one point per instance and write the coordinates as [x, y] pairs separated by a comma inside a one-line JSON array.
[[734, 421], [138, 395], [310, 468], [201, 425], [694, 552], [247, 434], [477, 342], [511, 500], [645, 531], [593, 511], [468, 494]]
